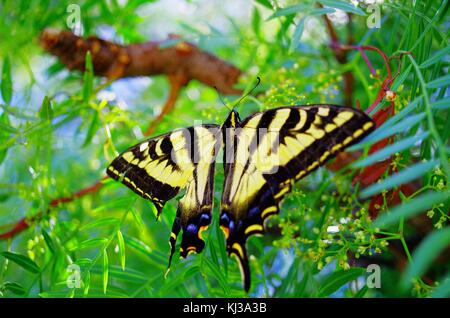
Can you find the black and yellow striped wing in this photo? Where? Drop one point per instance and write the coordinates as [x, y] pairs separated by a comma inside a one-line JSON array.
[[158, 168], [272, 150]]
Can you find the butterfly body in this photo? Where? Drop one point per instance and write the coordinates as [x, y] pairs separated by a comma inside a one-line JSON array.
[[263, 156]]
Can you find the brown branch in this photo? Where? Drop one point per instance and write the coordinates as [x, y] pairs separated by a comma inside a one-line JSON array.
[[181, 62], [25, 223], [176, 84], [341, 56]]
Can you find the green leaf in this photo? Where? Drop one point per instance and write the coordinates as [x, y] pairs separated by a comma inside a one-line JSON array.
[[217, 273], [6, 86], [105, 271], [256, 21], [88, 78], [121, 244], [137, 217], [436, 57], [425, 254], [98, 241], [87, 283], [344, 6], [297, 34], [383, 132], [403, 113], [290, 11], [5, 131], [46, 110], [401, 78], [390, 150], [5, 126], [48, 240], [336, 280], [410, 208], [443, 289], [127, 275], [93, 127], [361, 292], [105, 221], [23, 261], [15, 288], [440, 82], [265, 3], [441, 104], [404, 176]]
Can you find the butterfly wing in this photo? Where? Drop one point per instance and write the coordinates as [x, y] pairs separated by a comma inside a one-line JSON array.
[[272, 150], [158, 168]]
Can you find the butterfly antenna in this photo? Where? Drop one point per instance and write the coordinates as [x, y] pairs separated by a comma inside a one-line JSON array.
[[258, 81], [221, 98]]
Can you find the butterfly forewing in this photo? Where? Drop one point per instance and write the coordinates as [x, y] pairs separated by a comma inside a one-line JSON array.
[[158, 168]]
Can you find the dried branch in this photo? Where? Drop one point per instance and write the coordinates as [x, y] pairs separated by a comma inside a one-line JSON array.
[[341, 56], [181, 62], [25, 223]]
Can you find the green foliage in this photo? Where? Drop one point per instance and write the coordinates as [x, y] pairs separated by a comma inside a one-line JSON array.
[[60, 129]]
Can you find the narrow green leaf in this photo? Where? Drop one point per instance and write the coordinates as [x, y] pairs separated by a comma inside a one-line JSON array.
[[48, 240], [290, 11], [15, 288], [137, 217], [88, 78], [105, 271], [297, 34], [6, 86], [443, 289], [401, 78], [410, 208], [440, 82], [361, 292], [218, 275], [87, 283], [256, 21], [121, 244], [404, 176], [93, 128], [127, 275], [5, 132], [265, 3], [5, 126], [344, 6], [95, 242], [106, 221], [192, 270], [46, 110], [436, 57], [336, 280], [389, 150], [23, 261], [384, 132], [441, 104], [403, 113], [425, 254]]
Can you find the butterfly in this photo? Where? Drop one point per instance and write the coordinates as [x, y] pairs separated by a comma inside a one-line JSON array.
[[263, 156]]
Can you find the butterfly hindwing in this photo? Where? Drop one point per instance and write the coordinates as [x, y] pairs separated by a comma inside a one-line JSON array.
[[158, 168], [270, 151]]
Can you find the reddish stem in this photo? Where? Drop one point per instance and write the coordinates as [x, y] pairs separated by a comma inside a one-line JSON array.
[[25, 223]]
